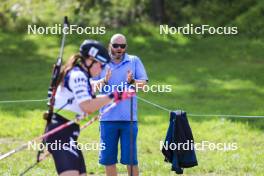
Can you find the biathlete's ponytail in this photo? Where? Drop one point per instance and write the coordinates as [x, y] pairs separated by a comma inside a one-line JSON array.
[[72, 61]]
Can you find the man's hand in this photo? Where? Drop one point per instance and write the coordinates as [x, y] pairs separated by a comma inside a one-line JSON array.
[[130, 79], [108, 75]]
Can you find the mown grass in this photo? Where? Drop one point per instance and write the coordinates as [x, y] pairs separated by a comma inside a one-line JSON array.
[[215, 75]]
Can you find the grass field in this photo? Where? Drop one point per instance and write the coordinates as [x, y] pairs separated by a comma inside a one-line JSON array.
[[214, 75]]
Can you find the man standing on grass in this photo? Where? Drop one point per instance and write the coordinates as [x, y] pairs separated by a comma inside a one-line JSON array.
[[126, 70]]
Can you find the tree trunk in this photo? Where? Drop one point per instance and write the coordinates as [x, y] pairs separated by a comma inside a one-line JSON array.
[[158, 11]]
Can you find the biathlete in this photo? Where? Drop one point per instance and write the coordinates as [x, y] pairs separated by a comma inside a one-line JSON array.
[[74, 98]]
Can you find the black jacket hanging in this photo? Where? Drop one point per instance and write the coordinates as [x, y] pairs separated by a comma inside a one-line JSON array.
[[179, 133]]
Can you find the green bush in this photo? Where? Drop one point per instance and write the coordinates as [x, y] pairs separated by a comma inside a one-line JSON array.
[[251, 22]]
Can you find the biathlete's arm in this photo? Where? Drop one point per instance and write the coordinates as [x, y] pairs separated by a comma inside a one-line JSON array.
[[92, 105]]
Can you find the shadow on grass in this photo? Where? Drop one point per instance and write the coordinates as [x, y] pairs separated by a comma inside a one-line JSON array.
[[24, 73]]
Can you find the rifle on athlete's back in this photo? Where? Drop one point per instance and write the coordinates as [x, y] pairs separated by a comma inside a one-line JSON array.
[[56, 75]]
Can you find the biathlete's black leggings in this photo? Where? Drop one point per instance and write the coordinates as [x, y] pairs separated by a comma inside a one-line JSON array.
[[62, 146]]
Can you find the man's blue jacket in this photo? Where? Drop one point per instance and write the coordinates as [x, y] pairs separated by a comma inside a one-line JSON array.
[[179, 133]]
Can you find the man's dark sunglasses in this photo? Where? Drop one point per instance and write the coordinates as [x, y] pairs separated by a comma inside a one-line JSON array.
[[119, 45]]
